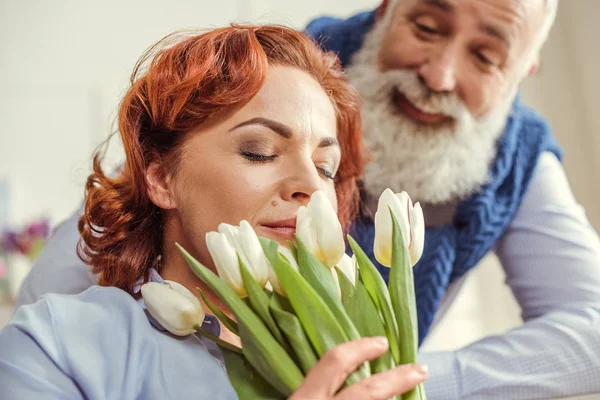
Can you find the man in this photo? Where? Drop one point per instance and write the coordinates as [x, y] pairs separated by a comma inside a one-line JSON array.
[[439, 82], [441, 116]]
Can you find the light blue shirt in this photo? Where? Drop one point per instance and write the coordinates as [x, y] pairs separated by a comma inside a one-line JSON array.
[[551, 257], [100, 344]]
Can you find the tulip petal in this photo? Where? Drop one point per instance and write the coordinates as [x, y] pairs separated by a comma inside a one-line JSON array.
[[383, 227], [225, 258], [255, 259], [417, 226], [173, 310], [403, 214], [304, 229], [348, 266], [327, 229]]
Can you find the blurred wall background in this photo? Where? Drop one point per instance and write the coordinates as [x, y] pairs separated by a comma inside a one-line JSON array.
[[65, 64]]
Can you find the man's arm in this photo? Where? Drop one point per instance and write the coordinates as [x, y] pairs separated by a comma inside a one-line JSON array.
[[551, 256], [58, 269]]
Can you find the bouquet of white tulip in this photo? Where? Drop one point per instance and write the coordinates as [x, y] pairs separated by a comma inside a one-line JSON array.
[[292, 304]]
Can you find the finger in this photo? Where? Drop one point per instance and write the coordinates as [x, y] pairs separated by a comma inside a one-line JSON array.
[[328, 375], [386, 384]]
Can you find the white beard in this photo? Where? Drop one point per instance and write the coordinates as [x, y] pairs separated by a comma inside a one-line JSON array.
[[434, 164]]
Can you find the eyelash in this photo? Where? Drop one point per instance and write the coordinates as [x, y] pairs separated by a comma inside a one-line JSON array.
[[484, 60], [261, 158], [325, 173], [425, 29], [255, 157]]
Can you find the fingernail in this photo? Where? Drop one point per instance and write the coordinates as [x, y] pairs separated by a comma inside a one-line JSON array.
[[421, 369], [381, 341]]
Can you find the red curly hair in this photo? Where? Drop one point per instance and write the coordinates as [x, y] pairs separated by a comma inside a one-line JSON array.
[[176, 86]]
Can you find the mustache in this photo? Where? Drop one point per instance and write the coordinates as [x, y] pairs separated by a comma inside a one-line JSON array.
[[417, 92]]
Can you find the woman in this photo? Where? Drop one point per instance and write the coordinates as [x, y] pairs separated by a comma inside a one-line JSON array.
[[236, 123]]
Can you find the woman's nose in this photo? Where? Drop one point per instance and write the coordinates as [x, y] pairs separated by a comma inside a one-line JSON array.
[[301, 182]]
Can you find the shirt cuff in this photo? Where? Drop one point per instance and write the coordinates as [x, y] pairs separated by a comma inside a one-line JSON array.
[[444, 375]]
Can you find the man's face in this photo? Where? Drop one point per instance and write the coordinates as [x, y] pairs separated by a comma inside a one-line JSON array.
[[437, 79], [474, 49]]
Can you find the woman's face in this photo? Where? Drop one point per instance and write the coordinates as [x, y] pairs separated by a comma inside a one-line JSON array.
[[260, 164]]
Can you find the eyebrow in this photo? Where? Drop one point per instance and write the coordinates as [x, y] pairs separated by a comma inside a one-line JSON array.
[[277, 127], [329, 141], [441, 4], [283, 130]]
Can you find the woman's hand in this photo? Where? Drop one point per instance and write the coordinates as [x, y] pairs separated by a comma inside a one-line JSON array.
[[332, 370]]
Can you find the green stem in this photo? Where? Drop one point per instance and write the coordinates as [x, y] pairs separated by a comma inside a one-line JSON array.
[[217, 340]]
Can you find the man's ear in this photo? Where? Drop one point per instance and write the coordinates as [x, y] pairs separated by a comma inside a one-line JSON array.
[[535, 66], [159, 186], [381, 9]]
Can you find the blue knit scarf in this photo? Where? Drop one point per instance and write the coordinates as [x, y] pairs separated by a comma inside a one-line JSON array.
[[480, 220]]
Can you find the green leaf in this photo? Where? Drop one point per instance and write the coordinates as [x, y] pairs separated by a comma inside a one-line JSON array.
[[217, 340], [259, 301], [320, 278], [224, 318], [375, 285], [420, 390], [319, 323], [347, 289], [367, 319], [292, 329], [293, 249], [402, 294], [247, 383], [282, 372]]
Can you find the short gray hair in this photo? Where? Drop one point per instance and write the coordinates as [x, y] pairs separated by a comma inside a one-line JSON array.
[[551, 7]]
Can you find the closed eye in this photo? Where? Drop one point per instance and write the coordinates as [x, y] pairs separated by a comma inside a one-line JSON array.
[[255, 157]]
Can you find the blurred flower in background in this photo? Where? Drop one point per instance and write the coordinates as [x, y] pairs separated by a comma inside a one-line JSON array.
[[18, 251]]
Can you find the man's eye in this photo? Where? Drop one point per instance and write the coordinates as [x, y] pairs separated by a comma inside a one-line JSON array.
[[483, 58], [426, 29], [486, 59]]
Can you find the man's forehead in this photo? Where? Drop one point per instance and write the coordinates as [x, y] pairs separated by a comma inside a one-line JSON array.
[[503, 19], [517, 7]]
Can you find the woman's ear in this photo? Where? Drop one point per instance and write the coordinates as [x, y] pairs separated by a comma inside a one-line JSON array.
[[159, 189]]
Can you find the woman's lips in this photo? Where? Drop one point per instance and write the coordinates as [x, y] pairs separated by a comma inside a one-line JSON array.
[[285, 228], [284, 232], [409, 109]]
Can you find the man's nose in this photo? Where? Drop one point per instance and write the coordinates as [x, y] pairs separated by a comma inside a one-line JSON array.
[[438, 72]]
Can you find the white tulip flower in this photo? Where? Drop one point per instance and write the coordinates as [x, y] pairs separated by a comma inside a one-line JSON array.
[[225, 246], [173, 306], [348, 266], [410, 219], [318, 227]]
